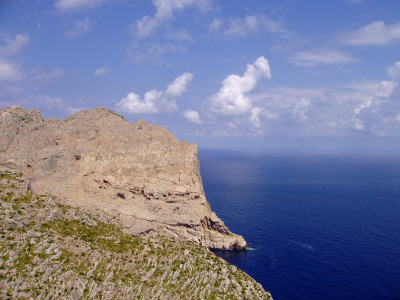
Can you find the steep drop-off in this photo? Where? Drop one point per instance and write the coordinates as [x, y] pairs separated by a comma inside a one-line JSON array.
[[53, 251], [138, 174]]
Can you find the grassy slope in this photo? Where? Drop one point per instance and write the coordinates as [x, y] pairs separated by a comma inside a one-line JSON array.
[[52, 251]]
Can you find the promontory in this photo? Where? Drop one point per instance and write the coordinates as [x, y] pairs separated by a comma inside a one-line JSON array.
[[136, 175]]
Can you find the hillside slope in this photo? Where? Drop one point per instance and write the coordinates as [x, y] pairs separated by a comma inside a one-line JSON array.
[[52, 251]]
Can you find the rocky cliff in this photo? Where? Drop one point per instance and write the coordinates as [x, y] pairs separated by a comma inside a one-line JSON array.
[[53, 251], [140, 175]]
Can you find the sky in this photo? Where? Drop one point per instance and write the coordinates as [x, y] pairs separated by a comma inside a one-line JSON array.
[[259, 74]]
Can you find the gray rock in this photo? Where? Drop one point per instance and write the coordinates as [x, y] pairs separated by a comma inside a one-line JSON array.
[[138, 174]]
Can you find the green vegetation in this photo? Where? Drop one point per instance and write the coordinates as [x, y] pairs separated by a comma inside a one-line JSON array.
[[52, 255], [105, 236]]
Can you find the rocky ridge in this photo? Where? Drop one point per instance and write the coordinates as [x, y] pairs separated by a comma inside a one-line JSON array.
[[53, 251], [138, 174]]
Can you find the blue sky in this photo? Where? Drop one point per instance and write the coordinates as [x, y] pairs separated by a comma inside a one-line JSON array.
[[272, 74]]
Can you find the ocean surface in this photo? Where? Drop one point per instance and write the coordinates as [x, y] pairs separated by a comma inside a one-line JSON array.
[[323, 225]]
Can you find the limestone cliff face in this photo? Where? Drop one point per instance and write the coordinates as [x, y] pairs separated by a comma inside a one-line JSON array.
[[138, 173]]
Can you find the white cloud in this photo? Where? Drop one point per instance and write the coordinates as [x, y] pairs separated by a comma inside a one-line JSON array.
[[72, 5], [321, 56], [48, 102], [385, 88], [100, 72], [233, 97], [9, 71], [366, 106], [81, 27], [165, 13], [215, 25], [57, 72], [358, 125], [179, 36], [300, 109], [156, 101], [178, 86], [376, 33], [132, 103], [255, 116], [14, 46], [252, 24], [192, 116], [73, 110], [13, 89], [153, 52], [394, 70], [268, 115]]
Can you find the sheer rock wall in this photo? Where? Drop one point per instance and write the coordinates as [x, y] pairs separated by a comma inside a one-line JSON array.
[[138, 174]]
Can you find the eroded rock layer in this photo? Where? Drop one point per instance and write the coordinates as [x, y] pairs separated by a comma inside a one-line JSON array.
[[138, 173]]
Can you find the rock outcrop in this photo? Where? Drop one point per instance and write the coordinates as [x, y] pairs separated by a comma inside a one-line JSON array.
[[138, 174], [53, 251]]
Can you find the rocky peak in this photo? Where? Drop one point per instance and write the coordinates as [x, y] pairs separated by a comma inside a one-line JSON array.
[[139, 174]]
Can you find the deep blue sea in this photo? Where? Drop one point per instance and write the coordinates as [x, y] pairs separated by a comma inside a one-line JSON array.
[[323, 225]]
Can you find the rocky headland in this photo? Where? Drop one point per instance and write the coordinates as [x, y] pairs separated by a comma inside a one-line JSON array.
[[54, 251], [138, 176]]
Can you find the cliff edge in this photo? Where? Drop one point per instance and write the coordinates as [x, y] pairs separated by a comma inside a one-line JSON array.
[[139, 174]]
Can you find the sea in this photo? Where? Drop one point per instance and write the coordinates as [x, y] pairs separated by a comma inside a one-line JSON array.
[[320, 224]]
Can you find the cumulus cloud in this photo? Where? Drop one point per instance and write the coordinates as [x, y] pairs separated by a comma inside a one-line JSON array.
[[192, 116], [164, 14], [252, 24], [376, 33], [233, 97], [156, 101], [132, 103], [321, 56], [361, 107], [179, 85], [13, 46], [9, 71], [74, 5], [100, 72], [56, 73], [80, 28]]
